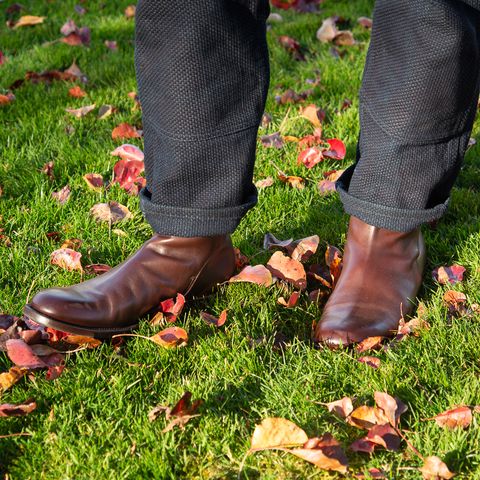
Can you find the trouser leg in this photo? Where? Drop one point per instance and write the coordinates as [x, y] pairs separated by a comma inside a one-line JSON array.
[[202, 72], [417, 105]]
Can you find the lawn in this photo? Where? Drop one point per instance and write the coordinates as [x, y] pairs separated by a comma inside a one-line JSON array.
[[92, 422]]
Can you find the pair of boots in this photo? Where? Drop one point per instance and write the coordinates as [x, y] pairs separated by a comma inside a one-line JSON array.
[[382, 273]]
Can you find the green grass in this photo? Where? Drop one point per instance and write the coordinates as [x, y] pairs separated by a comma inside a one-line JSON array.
[[101, 401]]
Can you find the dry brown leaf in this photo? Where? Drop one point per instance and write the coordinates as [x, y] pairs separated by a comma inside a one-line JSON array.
[[460, 417], [62, 195], [389, 406], [305, 248], [264, 183], [344, 38], [285, 268], [293, 181], [292, 301], [17, 409], [10, 378], [125, 130], [111, 212], [434, 469], [7, 98], [28, 20], [343, 407], [365, 22], [277, 433], [370, 343], [373, 362], [77, 92], [452, 274], [105, 111], [67, 259], [385, 436], [366, 417], [320, 459], [82, 341], [94, 181], [258, 274], [209, 319], [328, 30], [82, 111], [130, 11], [313, 114]]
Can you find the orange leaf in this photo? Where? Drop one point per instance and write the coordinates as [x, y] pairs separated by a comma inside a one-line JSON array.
[[111, 212], [454, 418], [366, 417], [211, 320], [125, 130], [76, 92], [10, 378], [434, 469], [28, 20], [343, 407], [277, 433], [258, 274], [171, 337], [285, 268]]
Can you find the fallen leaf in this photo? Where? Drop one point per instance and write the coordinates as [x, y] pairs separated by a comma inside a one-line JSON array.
[[285, 268], [67, 259], [366, 417], [275, 433], [460, 417], [76, 92], [241, 260], [111, 212], [344, 38], [270, 241], [125, 130], [128, 152], [62, 195], [365, 22], [293, 181], [313, 114], [94, 181], [73, 243], [97, 268], [3, 58], [312, 140], [389, 406], [81, 341], [47, 169], [105, 111], [258, 274], [290, 96], [334, 261], [7, 98], [336, 462], [272, 140], [434, 469], [28, 20], [264, 183], [22, 355], [373, 362], [54, 372], [452, 297], [212, 320], [370, 343], [17, 409], [292, 46], [171, 308], [362, 445], [171, 337], [111, 45], [10, 378], [130, 11], [305, 248], [310, 157], [385, 436], [337, 150], [445, 275], [183, 411], [292, 301], [343, 407], [328, 30], [80, 112], [127, 175]]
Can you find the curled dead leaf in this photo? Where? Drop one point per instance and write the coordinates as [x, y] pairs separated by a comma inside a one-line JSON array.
[[171, 337], [28, 21], [460, 417], [434, 469], [17, 409], [82, 111], [94, 181], [125, 130], [343, 407], [452, 274], [10, 378], [285, 268], [209, 319], [111, 212], [67, 259]]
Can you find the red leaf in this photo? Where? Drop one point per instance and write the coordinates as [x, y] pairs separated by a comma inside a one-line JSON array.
[[125, 130], [76, 92], [285, 268], [171, 308], [128, 152], [292, 301], [452, 274], [97, 268], [337, 149], [6, 99], [127, 175], [362, 445], [54, 372], [62, 195], [384, 435], [257, 274], [94, 181], [22, 355], [273, 140], [310, 157], [370, 343], [343, 407]]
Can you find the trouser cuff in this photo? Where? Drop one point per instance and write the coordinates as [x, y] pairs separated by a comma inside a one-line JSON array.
[[390, 218], [192, 222]]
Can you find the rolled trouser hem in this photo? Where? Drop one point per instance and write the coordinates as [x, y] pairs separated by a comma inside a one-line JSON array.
[[192, 222], [381, 216]]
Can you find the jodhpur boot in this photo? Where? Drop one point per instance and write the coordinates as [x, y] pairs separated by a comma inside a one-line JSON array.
[[115, 301], [381, 276]]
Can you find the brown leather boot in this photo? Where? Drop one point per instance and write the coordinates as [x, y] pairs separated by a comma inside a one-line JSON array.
[[113, 302], [381, 276]]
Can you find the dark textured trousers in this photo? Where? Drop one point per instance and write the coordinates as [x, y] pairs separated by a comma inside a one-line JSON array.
[[202, 71]]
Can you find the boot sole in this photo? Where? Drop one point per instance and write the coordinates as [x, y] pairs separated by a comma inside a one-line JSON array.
[[100, 333]]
